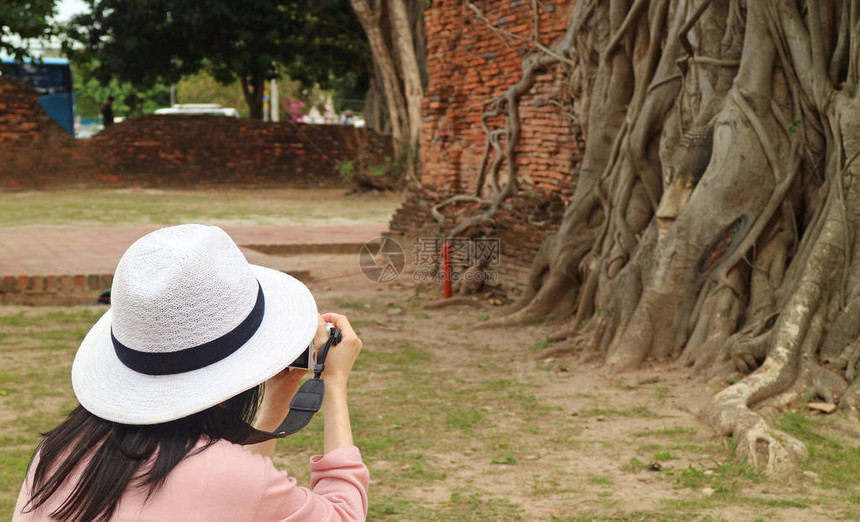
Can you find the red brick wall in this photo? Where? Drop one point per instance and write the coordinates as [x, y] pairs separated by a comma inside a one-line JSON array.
[[174, 150], [34, 149], [470, 65], [206, 150], [23, 119]]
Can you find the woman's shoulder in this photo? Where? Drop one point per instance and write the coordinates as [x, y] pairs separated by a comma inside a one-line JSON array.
[[220, 475], [224, 454]]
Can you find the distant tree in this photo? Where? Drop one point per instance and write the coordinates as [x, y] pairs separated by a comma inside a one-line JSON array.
[[129, 101], [21, 20], [396, 39], [203, 88], [145, 42]]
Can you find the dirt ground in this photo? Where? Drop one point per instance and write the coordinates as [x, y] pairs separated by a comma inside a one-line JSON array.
[[572, 443], [456, 421], [461, 422]]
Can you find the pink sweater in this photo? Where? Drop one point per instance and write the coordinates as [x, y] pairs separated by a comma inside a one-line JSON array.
[[227, 482]]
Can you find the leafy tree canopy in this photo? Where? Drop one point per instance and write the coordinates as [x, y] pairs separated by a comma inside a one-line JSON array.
[[23, 19], [145, 42], [128, 100]]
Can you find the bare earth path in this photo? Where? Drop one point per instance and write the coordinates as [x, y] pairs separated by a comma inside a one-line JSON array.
[[456, 421], [96, 249], [535, 437]]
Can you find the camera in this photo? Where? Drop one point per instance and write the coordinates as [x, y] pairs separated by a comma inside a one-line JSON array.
[[307, 359]]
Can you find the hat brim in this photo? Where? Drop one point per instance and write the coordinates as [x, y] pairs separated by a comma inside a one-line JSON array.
[[112, 391]]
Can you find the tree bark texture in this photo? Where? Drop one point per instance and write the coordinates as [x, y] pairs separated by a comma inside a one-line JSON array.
[[396, 65], [715, 217]]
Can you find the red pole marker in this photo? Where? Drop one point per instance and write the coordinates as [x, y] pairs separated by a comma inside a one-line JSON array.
[[446, 266]]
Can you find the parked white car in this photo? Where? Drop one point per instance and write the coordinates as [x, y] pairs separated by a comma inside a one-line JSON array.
[[209, 109]]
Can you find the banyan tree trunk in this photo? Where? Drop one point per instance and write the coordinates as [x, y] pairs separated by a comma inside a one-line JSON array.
[[714, 221]]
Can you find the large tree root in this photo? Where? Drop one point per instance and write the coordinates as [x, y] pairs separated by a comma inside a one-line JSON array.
[[716, 215]]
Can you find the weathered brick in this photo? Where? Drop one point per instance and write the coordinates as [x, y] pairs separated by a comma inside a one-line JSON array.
[[173, 150], [67, 283], [480, 64], [9, 285], [37, 284]]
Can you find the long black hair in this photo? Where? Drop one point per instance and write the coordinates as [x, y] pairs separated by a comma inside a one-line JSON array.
[[118, 451]]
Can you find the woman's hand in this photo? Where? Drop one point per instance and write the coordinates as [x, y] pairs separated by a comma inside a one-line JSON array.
[[281, 388], [341, 358], [277, 395], [338, 365]]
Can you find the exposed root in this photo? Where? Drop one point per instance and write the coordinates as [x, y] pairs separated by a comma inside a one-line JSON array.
[[720, 245], [434, 211], [748, 347], [757, 443]]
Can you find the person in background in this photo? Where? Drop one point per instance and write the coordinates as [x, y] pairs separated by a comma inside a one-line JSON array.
[[107, 112], [197, 345]]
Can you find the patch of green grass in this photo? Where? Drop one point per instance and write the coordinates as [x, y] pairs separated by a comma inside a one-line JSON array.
[[540, 345], [636, 411], [263, 206], [477, 507], [464, 418], [505, 458], [393, 508], [666, 432], [603, 481], [780, 502], [660, 392], [664, 455], [634, 465], [461, 507], [724, 478], [834, 460], [543, 486]]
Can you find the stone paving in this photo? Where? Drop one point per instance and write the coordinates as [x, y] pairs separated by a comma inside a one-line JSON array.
[[68, 260]]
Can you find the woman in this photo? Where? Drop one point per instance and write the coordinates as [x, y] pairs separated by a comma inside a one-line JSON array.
[[168, 381]]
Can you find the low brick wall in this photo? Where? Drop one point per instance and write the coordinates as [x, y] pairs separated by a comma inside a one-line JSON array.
[[174, 150], [34, 150], [53, 289], [204, 150], [521, 225]]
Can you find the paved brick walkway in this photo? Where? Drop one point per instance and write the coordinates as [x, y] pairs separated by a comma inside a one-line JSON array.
[[57, 250]]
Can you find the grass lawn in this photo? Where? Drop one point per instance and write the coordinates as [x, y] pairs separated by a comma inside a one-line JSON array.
[[475, 430], [456, 422], [170, 207]]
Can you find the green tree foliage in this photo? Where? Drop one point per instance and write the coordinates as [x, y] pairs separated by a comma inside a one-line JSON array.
[[145, 42], [203, 88], [23, 19], [295, 99], [90, 93]]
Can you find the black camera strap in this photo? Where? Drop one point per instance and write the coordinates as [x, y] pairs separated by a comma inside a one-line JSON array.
[[306, 402]]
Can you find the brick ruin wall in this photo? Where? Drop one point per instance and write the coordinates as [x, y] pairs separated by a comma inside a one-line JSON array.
[[33, 147], [174, 150], [471, 64]]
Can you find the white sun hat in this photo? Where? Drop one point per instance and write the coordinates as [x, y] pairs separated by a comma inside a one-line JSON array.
[[191, 324]]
